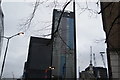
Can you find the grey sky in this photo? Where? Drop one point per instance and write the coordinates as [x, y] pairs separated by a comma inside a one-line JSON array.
[[89, 29]]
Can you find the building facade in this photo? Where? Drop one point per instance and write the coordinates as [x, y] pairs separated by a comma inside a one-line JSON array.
[[63, 58], [97, 73], [55, 57], [1, 27], [39, 59], [111, 25]]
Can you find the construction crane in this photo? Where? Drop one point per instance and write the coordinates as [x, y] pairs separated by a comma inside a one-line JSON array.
[[102, 55], [91, 55], [91, 65], [94, 59]]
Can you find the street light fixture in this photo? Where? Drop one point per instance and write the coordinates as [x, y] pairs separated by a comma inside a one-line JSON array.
[[51, 68], [4, 58]]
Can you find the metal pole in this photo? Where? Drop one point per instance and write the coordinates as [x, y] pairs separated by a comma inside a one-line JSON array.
[[8, 39], [3, 64], [75, 63]]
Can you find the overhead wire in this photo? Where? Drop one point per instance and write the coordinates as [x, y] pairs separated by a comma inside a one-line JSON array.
[[59, 20], [108, 34], [64, 41]]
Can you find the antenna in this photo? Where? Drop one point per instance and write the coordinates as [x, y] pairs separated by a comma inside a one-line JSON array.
[[102, 55], [90, 54], [94, 59]]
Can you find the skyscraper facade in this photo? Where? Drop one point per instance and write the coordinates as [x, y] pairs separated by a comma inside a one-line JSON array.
[[63, 45], [39, 59], [1, 27]]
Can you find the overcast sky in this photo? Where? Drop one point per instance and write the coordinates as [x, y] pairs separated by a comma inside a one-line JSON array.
[[88, 24]]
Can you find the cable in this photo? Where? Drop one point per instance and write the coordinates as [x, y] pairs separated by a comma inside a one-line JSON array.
[[63, 41], [105, 7], [107, 37], [61, 17], [59, 24], [59, 20]]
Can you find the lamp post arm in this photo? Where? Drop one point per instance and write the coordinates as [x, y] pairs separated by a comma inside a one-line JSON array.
[[4, 37], [13, 35], [8, 39]]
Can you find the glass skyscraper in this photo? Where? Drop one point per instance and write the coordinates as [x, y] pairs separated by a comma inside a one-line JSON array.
[[63, 45]]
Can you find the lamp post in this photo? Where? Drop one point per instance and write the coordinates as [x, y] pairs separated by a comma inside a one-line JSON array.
[[4, 58]]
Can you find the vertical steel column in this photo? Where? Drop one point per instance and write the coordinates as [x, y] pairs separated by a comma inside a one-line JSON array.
[[75, 60]]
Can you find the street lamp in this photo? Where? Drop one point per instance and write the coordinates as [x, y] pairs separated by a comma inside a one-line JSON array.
[[51, 68], [8, 39]]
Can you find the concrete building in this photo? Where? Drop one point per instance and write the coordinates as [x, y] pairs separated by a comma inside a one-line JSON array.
[[39, 59], [1, 27], [93, 73], [111, 24], [63, 45]]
